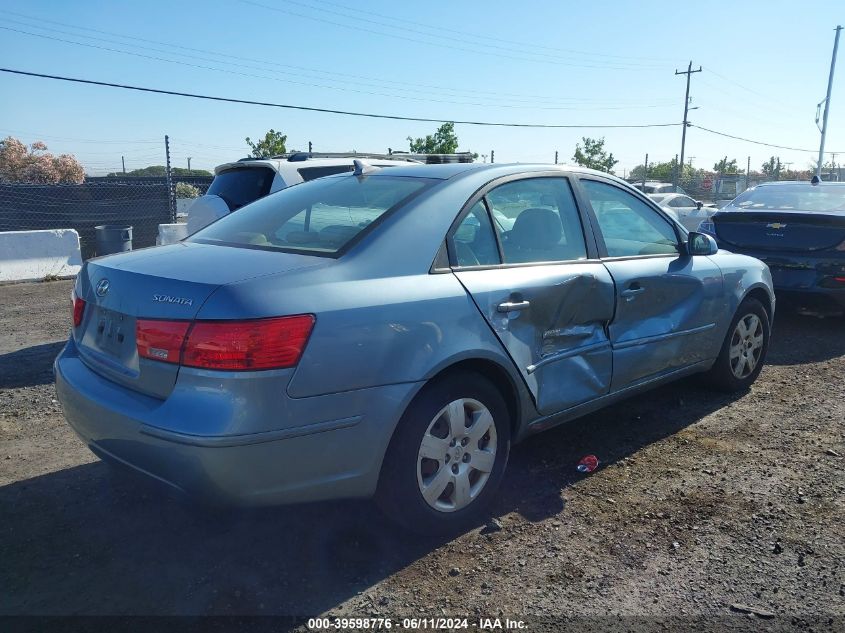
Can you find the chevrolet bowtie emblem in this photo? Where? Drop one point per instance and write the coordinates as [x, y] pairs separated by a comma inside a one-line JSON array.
[[776, 226]]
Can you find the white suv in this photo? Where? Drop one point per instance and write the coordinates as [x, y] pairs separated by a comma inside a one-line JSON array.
[[244, 181]]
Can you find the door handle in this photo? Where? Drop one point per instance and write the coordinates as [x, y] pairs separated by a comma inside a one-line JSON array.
[[510, 306], [632, 291]]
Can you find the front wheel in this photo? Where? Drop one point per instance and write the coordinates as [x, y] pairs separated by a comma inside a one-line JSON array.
[[447, 456], [744, 350]]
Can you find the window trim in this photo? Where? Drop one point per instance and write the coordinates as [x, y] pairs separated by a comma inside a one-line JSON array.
[[481, 195], [599, 236]]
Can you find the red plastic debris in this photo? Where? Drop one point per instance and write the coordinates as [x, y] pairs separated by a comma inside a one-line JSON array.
[[588, 464]]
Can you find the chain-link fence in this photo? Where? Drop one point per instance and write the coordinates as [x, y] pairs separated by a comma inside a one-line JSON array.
[[142, 203]]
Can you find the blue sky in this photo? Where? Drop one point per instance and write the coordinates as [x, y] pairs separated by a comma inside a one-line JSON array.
[[765, 67]]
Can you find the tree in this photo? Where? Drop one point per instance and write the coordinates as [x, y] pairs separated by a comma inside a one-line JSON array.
[[772, 167], [272, 144], [34, 164], [186, 190], [593, 155], [725, 166], [443, 141], [662, 172], [159, 171]]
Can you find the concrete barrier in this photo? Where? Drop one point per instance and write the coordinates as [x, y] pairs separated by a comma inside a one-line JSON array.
[[35, 255], [171, 233]]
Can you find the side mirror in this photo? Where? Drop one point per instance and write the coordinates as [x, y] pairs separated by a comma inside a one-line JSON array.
[[699, 204], [701, 244]]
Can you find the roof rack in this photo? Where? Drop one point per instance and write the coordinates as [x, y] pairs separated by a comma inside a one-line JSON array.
[[436, 159], [411, 157], [294, 157]]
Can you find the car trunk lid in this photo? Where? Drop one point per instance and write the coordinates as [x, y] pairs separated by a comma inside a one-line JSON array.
[[780, 230], [167, 283]]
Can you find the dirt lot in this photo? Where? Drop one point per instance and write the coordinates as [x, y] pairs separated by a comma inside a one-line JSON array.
[[704, 503]]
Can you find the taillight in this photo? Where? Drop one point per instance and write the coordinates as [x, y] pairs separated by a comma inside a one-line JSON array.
[[273, 343], [161, 340], [78, 310]]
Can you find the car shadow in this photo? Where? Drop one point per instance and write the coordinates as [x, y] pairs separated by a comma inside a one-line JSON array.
[[84, 541], [798, 338], [81, 541], [29, 366]]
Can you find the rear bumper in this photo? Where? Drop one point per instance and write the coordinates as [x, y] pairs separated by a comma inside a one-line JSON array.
[[799, 276], [319, 455]]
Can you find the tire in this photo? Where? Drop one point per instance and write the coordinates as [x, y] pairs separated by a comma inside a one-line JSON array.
[[467, 471], [744, 350]]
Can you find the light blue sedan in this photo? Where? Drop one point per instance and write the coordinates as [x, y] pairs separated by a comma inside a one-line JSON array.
[[392, 332]]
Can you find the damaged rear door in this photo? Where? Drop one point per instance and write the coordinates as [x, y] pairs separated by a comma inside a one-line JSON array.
[[533, 279]]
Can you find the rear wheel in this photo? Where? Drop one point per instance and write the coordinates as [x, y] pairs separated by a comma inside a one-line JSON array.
[[447, 456], [744, 350]]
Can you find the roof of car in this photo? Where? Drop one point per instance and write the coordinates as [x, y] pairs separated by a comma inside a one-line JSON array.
[[451, 170], [823, 183], [276, 163]]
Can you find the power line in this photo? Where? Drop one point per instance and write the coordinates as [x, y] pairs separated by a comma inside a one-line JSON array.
[[485, 38], [748, 140], [447, 44], [487, 43], [331, 111], [300, 83], [339, 76], [77, 140]]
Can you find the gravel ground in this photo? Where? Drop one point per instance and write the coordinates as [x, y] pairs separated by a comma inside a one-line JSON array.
[[705, 505]]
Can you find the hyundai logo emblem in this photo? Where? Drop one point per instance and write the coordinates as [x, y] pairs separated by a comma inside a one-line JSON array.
[[102, 287]]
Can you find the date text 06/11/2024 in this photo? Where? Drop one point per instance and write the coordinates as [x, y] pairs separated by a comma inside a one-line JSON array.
[[440, 624]]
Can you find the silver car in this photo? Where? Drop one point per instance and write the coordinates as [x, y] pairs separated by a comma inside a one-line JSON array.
[[690, 213], [392, 332]]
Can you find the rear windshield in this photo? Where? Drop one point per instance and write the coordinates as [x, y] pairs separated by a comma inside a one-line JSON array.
[[798, 197], [319, 216], [238, 187]]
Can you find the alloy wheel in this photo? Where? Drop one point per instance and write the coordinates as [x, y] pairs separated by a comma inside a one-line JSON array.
[[746, 346]]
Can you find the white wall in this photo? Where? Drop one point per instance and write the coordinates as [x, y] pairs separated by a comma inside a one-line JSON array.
[[36, 255]]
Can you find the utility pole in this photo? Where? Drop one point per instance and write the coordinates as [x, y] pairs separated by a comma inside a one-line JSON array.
[[827, 103], [748, 173], [688, 72], [123, 162], [645, 171], [832, 165], [171, 198], [189, 165], [677, 172], [690, 161], [492, 156], [555, 157]]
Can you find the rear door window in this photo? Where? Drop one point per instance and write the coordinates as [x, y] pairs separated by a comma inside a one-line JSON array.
[[682, 202], [240, 186], [537, 221], [474, 241]]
